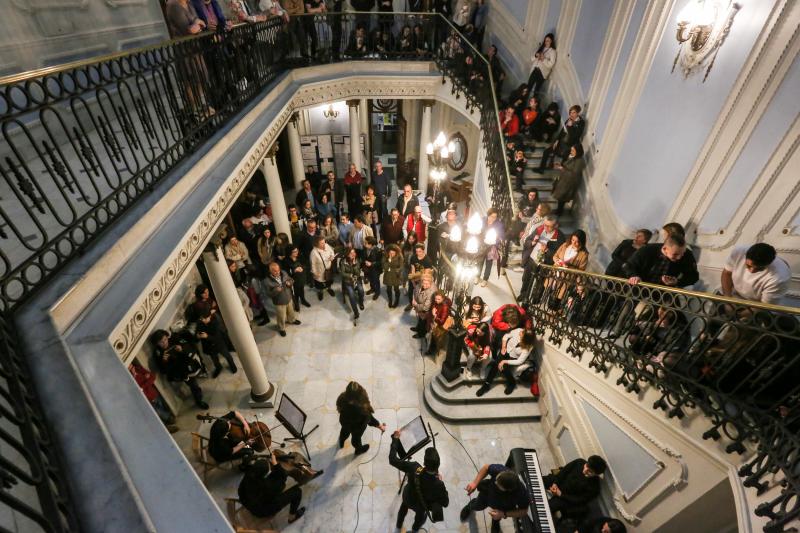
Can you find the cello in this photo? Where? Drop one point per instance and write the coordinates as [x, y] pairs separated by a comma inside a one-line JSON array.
[[259, 438]]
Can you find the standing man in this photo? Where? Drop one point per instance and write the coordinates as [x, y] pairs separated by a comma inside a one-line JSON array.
[[295, 9], [417, 223], [407, 201], [669, 264], [334, 189], [756, 273], [380, 180], [418, 265], [425, 492], [373, 266], [352, 188], [359, 235], [279, 288], [392, 229], [306, 192], [503, 493]]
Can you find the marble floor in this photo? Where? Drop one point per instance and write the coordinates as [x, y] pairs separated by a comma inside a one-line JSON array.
[[312, 365]]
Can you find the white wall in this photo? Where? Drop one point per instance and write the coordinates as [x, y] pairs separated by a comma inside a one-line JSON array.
[[718, 156]]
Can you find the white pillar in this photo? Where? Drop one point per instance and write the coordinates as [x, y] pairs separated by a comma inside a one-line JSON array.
[[275, 191], [261, 390], [411, 114], [355, 134], [424, 139], [366, 128], [296, 154]]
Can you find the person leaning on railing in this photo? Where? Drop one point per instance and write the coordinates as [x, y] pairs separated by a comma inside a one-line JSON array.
[[755, 273], [668, 263]]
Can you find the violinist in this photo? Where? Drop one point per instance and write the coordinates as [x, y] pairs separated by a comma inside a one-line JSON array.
[[223, 446]]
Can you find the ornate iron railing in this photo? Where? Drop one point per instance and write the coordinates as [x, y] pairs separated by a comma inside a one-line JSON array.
[[736, 362]]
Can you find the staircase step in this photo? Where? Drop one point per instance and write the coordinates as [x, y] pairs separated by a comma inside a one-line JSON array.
[[469, 411], [462, 391]]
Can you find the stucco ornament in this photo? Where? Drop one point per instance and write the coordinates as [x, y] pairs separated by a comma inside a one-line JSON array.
[[703, 26]]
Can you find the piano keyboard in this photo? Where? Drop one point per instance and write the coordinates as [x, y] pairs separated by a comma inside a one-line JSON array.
[[526, 465]]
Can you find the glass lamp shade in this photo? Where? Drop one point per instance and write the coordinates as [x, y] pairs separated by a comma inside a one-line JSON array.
[[472, 245], [440, 139], [429, 149], [444, 153], [491, 237], [455, 234], [475, 224]]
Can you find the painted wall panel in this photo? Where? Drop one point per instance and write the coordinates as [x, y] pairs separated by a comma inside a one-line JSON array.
[[518, 8], [771, 128], [631, 464], [590, 33], [567, 445], [673, 119], [550, 23], [619, 69]]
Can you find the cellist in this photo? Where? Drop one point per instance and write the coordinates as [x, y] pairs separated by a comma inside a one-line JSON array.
[[222, 446]]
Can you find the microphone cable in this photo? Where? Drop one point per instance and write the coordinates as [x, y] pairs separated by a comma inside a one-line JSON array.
[[358, 470]]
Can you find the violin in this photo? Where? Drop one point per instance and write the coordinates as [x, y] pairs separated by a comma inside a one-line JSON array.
[[259, 437]]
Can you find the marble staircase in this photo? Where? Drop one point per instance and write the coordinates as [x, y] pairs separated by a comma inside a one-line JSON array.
[[455, 401]]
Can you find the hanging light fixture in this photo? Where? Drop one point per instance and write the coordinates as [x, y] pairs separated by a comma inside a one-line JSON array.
[[330, 113]]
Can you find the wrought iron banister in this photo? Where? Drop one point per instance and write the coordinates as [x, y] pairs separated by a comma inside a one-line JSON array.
[[737, 362]]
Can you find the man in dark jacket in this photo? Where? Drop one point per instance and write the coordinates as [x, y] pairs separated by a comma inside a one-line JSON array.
[[575, 485], [425, 491], [333, 187], [373, 266], [669, 264], [261, 491], [380, 180], [176, 361], [279, 287], [625, 250]]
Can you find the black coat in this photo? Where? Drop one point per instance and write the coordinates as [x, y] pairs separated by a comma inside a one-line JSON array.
[[433, 490], [621, 253], [644, 262]]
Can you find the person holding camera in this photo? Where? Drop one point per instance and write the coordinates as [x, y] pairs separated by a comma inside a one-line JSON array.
[[178, 362], [279, 287], [425, 493], [502, 492]]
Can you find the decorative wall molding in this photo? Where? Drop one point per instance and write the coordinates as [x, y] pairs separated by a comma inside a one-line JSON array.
[[606, 64], [752, 92]]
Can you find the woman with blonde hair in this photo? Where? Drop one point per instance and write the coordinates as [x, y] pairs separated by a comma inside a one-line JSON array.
[[355, 414]]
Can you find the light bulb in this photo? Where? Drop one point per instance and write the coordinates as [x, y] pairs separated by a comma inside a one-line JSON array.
[[444, 153], [429, 149], [455, 234], [472, 245], [491, 237], [474, 224], [440, 139]]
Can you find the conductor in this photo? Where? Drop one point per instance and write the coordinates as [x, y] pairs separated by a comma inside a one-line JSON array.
[[425, 492]]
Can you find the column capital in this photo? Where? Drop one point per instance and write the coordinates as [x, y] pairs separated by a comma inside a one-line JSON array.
[[272, 151], [428, 103], [354, 103], [294, 118]]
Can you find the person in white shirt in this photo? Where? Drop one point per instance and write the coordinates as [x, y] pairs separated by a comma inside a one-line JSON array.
[[756, 273], [542, 65], [322, 266]]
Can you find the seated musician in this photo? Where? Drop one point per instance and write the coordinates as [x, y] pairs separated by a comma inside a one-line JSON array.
[[503, 493], [602, 524], [222, 446], [425, 492], [574, 486], [262, 490]]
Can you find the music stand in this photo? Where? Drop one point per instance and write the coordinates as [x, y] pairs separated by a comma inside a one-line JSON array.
[[414, 436], [294, 420]]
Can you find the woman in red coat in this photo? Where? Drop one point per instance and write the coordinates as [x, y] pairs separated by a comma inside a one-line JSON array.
[[439, 321], [509, 122], [506, 318]]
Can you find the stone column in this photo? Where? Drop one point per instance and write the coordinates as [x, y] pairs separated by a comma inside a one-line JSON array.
[[298, 172], [411, 114], [355, 134], [275, 192], [366, 128], [424, 139], [261, 390]]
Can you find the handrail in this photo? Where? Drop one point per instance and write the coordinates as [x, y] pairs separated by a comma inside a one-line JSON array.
[[687, 292]]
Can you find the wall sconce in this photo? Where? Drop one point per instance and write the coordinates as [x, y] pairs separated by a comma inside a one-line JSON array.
[[330, 113], [703, 26]]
